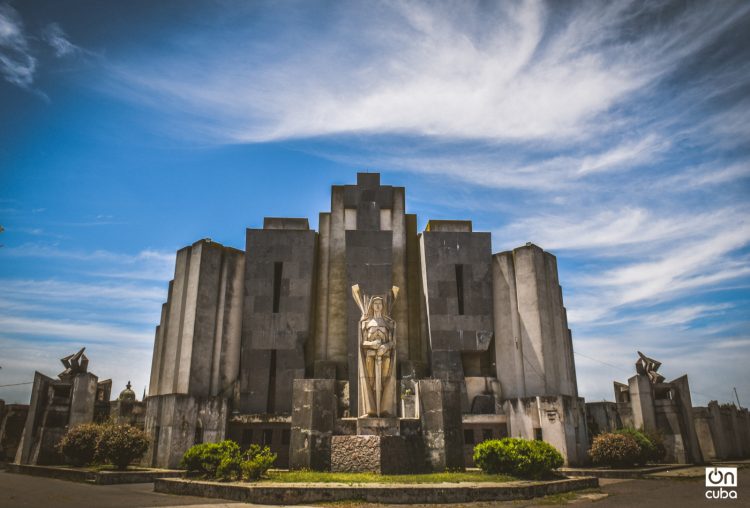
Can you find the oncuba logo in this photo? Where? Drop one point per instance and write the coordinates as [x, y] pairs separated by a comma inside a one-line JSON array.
[[720, 482]]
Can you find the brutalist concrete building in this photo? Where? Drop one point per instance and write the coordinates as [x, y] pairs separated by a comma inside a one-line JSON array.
[[260, 345]]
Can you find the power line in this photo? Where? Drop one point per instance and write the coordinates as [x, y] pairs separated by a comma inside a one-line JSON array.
[[17, 384], [603, 363]]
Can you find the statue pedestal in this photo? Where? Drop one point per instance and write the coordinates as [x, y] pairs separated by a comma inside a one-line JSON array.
[[372, 426], [377, 454]]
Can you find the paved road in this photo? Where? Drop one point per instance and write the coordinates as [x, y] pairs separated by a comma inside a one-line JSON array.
[[31, 492]]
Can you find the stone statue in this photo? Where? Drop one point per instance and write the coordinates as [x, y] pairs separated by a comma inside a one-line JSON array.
[[646, 366], [74, 364], [377, 353]]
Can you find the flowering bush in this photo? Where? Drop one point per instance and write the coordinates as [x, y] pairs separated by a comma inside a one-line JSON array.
[[121, 444], [518, 457], [648, 451], [616, 450], [79, 444]]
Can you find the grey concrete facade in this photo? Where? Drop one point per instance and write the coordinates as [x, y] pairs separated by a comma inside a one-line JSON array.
[[272, 332]]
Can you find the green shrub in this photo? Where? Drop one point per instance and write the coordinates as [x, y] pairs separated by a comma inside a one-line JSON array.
[[616, 450], [121, 444], [205, 458], [517, 457], [230, 468], [660, 451], [256, 461], [647, 449], [79, 444]]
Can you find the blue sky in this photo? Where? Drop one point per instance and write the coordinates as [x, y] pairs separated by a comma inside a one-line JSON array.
[[614, 135]]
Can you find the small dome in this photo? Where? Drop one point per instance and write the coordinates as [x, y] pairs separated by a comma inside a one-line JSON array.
[[127, 394]]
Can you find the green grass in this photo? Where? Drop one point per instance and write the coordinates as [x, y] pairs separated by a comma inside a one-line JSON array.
[[323, 477]]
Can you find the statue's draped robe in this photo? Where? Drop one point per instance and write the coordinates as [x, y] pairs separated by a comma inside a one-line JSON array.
[[367, 390]]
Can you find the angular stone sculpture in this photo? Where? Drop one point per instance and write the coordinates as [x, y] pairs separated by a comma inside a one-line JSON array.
[[377, 353], [646, 366], [74, 364]]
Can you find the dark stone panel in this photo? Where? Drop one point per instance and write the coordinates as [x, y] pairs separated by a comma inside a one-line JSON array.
[[313, 420], [442, 429], [369, 256], [256, 375], [454, 327], [368, 216], [447, 365], [290, 365], [377, 454], [285, 331]]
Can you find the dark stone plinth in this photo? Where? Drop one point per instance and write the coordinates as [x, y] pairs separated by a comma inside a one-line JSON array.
[[441, 424], [313, 420], [376, 454], [377, 426]]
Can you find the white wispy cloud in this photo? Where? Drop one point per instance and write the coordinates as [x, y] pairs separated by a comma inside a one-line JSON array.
[[72, 330], [17, 65], [506, 72], [55, 36]]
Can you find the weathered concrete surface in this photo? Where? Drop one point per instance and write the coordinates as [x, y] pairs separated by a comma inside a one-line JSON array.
[[558, 420], [313, 418], [531, 325], [173, 422], [11, 428], [197, 342], [285, 493], [441, 424]]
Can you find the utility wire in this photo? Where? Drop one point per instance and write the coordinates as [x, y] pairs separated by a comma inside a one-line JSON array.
[[17, 384]]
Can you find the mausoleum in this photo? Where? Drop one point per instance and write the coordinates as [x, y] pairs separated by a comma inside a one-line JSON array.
[[366, 334]]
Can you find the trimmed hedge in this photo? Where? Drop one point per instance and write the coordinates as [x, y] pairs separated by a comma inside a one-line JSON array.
[[105, 443], [121, 444], [224, 461], [518, 457], [79, 444], [615, 450]]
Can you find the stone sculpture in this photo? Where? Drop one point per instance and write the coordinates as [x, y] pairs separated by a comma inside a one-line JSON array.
[[377, 353], [646, 366], [74, 364]]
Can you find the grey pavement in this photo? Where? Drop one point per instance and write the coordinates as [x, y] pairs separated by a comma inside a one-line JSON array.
[[32, 492]]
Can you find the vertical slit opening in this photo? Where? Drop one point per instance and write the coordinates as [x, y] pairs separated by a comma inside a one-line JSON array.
[[271, 403], [460, 288], [277, 269]]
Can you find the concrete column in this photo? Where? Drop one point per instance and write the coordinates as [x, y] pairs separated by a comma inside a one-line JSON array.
[[531, 305], [232, 317], [417, 342], [83, 398], [440, 411], [156, 359], [337, 290], [187, 326], [642, 402], [321, 300], [508, 346], [686, 414], [313, 418], [559, 328], [401, 308], [176, 304]]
